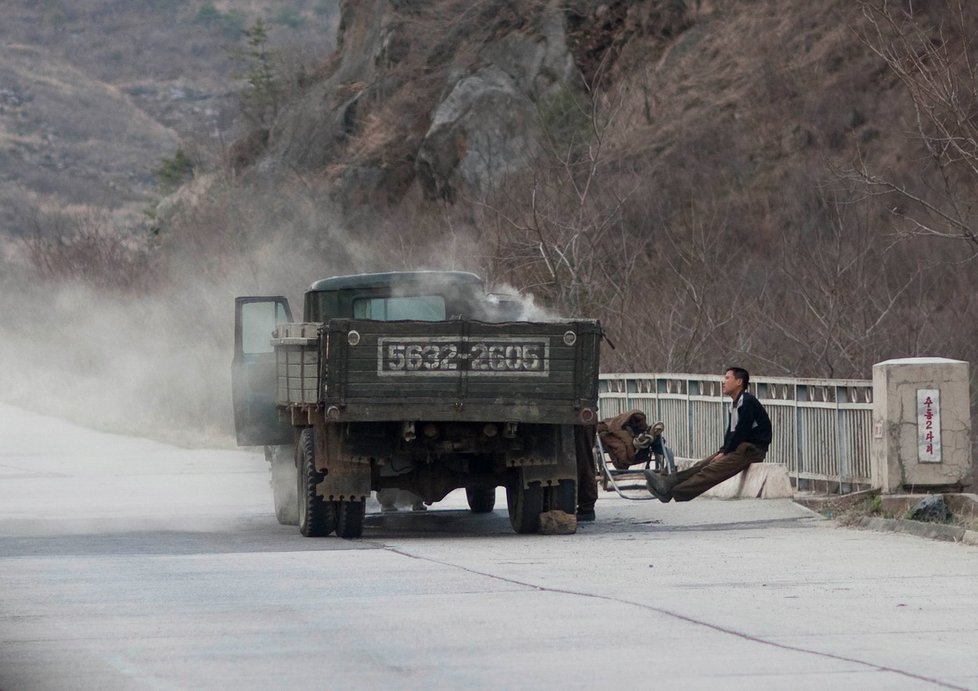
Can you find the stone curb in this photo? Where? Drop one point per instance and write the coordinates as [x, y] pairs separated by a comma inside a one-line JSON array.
[[933, 531], [809, 509]]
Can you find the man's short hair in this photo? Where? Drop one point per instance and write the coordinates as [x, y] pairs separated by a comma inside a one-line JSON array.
[[741, 374]]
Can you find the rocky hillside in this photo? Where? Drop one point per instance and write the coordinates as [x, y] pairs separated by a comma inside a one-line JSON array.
[[95, 93], [453, 97]]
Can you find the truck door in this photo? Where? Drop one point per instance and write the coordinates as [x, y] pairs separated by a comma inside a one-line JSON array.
[[256, 419]]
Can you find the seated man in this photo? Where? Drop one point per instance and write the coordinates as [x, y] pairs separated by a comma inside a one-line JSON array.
[[746, 441]]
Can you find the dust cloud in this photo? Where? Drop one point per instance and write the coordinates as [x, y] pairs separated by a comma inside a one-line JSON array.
[[156, 361], [146, 365], [150, 361]]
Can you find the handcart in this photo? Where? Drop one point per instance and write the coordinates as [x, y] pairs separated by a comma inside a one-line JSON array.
[[648, 448]]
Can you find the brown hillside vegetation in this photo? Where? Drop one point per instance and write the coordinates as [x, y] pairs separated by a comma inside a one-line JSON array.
[[694, 187], [763, 182]]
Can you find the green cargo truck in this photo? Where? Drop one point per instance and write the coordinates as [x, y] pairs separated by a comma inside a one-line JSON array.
[[416, 381]]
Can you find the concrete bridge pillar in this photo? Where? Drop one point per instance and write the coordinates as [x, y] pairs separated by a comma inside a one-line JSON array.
[[921, 425]]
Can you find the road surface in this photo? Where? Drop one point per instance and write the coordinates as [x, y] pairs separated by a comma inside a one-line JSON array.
[[130, 564]]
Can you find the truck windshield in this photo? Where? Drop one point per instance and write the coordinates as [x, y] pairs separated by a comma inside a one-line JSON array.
[[418, 307]]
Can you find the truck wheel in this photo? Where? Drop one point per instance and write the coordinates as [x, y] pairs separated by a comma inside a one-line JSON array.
[[284, 484], [563, 497], [481, 499], [525, 505], [317, 518], [349, 518]]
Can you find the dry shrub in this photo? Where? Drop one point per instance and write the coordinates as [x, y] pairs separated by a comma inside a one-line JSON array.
[[85, 246]]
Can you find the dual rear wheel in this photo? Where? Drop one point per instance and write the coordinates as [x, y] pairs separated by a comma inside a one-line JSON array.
[[318, 517], [526, 503]]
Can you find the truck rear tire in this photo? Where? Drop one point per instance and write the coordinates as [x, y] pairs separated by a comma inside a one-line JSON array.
[[281, 460], [481, 499], [525, 505], [563, 497], [349, 518], [317, 518]]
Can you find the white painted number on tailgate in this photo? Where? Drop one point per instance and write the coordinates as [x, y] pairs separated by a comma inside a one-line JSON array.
[[435, 356]]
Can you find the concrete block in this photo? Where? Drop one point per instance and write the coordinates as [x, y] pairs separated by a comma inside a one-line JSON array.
[[557, 523], [759, 481]]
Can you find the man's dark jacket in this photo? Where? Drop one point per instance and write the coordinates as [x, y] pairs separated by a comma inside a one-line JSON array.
[[753, 425]]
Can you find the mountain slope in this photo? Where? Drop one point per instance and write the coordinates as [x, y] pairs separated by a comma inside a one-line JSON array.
[[94, 93]]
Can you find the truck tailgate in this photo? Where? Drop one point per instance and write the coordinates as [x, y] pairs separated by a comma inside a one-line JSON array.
[[461, 370]]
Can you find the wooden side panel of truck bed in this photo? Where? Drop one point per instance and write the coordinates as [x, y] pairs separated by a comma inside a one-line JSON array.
[[460, 370]]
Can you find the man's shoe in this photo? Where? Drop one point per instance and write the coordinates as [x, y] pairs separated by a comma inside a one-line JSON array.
[[585, 516], [419, 506], [660, 485]]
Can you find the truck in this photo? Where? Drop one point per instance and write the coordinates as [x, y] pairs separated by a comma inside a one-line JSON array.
[[418, 381]]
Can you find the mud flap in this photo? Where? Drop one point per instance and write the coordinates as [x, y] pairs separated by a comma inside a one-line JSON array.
[[346, 479]]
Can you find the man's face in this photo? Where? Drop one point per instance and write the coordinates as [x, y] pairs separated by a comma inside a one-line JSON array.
[[731, 385]]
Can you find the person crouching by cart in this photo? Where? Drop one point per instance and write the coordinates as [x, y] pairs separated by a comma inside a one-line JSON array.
[[746, 441]]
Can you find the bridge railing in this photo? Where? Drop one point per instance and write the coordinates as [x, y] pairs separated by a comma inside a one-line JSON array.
[[821, 427]]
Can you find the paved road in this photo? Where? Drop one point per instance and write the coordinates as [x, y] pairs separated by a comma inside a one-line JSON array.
[[129, 564]]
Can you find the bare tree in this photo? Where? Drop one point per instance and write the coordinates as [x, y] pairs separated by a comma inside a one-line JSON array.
[[933, 55], [841, 293], [558, 229]]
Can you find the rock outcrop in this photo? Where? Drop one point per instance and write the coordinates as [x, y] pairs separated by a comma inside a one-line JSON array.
[[446, 97], [486, 125]]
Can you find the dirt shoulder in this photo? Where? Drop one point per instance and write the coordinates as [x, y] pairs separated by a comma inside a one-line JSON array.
[[894, 513]]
